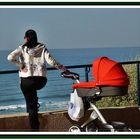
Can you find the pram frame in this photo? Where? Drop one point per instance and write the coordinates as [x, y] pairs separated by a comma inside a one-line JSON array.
[[96, 114]]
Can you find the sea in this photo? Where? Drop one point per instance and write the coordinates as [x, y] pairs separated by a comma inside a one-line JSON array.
[[55, 95]]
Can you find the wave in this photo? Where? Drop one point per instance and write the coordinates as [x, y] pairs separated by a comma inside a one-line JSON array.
[[57, 105], [44, 106], [12, 107]]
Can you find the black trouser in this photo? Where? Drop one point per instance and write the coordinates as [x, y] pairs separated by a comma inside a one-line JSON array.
[[29, 87]]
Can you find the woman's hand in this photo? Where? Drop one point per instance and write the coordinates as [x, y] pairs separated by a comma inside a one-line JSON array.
[[24, 70], [67, 72]]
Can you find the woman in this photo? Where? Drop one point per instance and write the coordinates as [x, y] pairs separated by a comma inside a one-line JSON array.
[[31, 58]]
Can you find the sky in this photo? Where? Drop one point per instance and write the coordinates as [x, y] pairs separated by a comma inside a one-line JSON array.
[[71, 27]]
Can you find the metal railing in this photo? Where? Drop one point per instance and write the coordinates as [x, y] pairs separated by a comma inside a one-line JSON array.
[[87, 68]]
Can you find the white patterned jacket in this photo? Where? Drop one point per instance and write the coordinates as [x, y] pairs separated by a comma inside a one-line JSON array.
[[34, 60]]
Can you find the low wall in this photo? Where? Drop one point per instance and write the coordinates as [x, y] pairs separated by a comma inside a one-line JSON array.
[[59, 121]]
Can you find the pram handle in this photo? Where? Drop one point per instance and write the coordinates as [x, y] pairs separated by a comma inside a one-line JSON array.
[[71, 75]]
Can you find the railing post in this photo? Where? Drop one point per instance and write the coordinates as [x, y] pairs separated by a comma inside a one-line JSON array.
[[87, 70], [138, 83]]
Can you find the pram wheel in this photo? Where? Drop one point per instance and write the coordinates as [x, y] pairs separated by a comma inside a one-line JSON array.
[[91, 128], [75, 128], [121, 127]]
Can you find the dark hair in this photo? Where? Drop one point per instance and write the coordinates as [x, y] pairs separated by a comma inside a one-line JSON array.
[[32, 38]]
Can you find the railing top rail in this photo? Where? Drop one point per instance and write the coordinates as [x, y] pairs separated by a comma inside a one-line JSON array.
[[69, 67], [130, 62]]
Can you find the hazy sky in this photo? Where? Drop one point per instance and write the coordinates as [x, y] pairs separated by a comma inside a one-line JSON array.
[[71, 27]]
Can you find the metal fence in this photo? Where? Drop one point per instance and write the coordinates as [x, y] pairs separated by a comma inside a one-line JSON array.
[[87, 69]]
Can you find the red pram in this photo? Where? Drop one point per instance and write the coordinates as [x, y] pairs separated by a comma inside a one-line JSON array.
[[110, 79]]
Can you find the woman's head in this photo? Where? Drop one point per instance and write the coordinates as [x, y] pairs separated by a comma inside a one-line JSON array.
[[30, 38]]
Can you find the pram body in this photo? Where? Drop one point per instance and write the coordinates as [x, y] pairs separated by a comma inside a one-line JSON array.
[[110, 79]]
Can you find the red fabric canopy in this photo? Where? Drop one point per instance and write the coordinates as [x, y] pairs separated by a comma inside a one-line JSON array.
[[106, 72]]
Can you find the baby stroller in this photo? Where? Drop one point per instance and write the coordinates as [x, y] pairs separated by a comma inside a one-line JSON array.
[[110, 79]]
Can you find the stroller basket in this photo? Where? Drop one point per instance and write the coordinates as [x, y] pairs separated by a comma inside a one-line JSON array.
[[103, 91]]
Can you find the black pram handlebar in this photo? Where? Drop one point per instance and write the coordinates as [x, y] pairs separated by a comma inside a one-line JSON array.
[[71, 75]]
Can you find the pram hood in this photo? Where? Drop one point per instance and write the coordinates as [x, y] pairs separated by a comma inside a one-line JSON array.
[[106, 72]]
